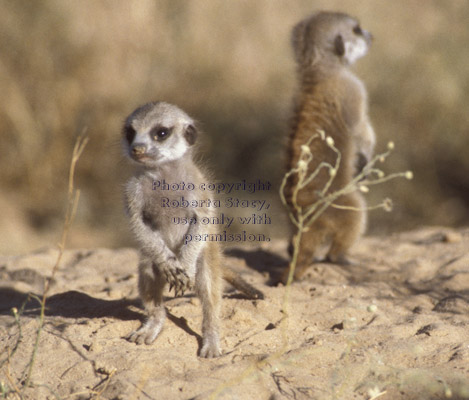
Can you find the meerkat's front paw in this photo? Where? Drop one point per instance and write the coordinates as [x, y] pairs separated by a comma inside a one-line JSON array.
[[210, 347], [147, 333], [177, 277]]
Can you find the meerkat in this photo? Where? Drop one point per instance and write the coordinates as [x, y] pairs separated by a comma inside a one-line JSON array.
[[332, 99], [159, 138]]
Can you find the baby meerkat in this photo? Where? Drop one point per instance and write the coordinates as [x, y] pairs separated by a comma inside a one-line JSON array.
[[160, 138], [333, 100]]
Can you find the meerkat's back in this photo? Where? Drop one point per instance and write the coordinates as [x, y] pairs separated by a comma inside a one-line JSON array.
[[330, 99]]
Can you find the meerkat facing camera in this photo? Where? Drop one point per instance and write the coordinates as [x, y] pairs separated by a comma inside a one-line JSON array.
[[160, 137], [333, 100]]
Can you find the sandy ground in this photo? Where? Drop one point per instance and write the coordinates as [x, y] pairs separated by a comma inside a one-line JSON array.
[[393, 326]]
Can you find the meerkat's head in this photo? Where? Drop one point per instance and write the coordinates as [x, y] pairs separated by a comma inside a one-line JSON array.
[[329, 38], [158, 132]]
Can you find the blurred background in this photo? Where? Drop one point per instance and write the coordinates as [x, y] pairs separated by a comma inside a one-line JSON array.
[[68, 66]]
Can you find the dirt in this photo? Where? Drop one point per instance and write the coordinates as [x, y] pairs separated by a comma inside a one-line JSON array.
[[394, 325]]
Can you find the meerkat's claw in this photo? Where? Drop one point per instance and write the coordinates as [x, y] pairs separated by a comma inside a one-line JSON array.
[[166, 276]]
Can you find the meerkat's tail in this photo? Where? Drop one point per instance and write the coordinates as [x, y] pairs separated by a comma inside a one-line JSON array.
[[239, 283]]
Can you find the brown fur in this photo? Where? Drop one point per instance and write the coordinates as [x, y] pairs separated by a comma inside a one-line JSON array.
[[333, 100]]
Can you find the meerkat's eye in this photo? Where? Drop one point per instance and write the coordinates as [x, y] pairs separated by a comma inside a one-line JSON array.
[[160, 133], [357, 30], [129, 134]]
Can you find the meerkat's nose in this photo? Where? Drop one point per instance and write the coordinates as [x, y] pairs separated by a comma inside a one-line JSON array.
[[138, 149]]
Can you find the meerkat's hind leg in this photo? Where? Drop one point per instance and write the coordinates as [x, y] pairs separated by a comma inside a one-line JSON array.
[[349, 226], [311, 240], [208, 288], [151, 284]]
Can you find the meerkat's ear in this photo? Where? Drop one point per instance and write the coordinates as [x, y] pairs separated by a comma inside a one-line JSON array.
[[339, 45], [190, 134]]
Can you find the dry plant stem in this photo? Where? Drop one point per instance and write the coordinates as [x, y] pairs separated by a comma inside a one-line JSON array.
[[72, 202], [255, 366], [258, 365], [368, 208], [316, 209], [303, 219], [144, 377], [378, 395], [286, 297], [98, 394], [304, 180], [299, 221], [10, 379], [16, 315]]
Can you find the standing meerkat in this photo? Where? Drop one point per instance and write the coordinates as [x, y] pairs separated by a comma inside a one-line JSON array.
[[160, 138], [333, 100]]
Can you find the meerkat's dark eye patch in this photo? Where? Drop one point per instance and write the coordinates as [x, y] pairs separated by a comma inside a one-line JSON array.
[[357, 30], [160, 133], [129, 133]]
